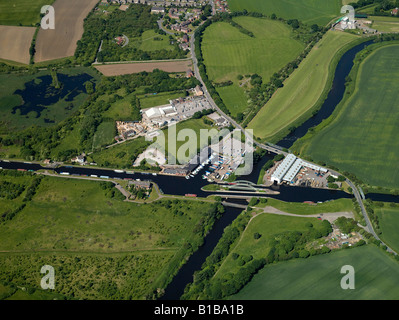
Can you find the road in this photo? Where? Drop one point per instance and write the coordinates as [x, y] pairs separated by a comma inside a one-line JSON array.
[[370, 228], [274, 149]]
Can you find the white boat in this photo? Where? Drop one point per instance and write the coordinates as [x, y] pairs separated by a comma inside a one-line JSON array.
[[154, 174], [118, 171], [187, 177]]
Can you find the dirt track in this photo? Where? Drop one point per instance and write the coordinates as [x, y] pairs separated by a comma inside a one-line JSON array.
[[128, 68], [61, 42], [15, 43]]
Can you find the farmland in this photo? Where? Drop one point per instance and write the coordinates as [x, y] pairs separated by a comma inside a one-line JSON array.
[[388, 217], [228, 53], [116, 69], [301, 90], [361, 137], [15, 43], [308, 11], [62, 41], [21, 12], [385, 24], [87, 234], [319, 277]]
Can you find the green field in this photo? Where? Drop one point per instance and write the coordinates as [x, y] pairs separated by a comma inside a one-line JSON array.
[[228, 53], [319, 278], [100, 246], [151, 41], [104, 135], [21, 12], [149, 101], [267, 225], [385, 24], [301, 90], [340, 205], [362, 138], [307, 11], [388, 218]]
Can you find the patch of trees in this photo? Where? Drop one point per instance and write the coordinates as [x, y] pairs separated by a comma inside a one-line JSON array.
[[347, 225], [10, 191], [132, 23]]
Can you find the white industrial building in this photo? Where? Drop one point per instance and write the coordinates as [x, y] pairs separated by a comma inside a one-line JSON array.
[[289, 168]]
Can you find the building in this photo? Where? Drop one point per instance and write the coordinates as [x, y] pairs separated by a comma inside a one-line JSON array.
[[289, 168], [395, 12], [198, 91], [146, 185], [283, 168], [157, 10]]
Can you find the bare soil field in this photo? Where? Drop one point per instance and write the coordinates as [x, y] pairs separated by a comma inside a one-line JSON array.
[[61, 42], [15, 43], [118, 69]]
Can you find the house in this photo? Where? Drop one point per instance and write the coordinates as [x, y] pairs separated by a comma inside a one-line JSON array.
[[157, 10], [146, 185], [395, 11], [189, 73], [198, 91]]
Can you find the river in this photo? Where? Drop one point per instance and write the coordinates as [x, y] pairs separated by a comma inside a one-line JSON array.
[[181, 186]]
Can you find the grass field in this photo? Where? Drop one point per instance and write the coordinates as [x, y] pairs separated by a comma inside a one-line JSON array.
[[104, 135], [301, 90], [307, 11], [388, 218], [228, 53], [100, 246], [319, 278], [385, 24], [21, 12], [267, 225], [149, 101], [340, 205], [151, 41], [362, 138]]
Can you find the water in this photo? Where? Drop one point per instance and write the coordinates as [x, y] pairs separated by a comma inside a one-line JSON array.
[[181, 186], [39, 94], [333, 99]]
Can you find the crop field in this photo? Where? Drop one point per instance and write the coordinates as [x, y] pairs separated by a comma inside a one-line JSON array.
[[21, 12], [228, 53], [319, 278], [362, 139], [388, 218], [307, 11], [117, 69], [62, 41], [93, 238], [385, 24], [15, 43], [301, 90]]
